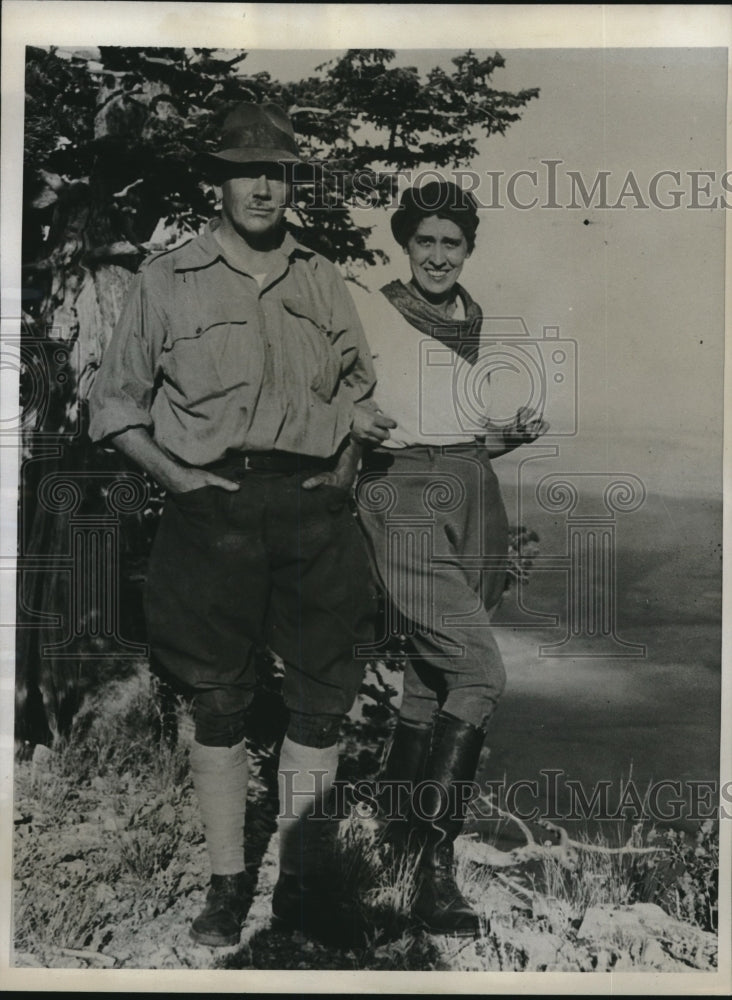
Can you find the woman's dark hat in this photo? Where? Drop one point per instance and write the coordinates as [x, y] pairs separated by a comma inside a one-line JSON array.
[[441, 198], [255, 133]]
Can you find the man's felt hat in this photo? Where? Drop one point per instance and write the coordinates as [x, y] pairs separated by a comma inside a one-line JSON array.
[[256, 133]]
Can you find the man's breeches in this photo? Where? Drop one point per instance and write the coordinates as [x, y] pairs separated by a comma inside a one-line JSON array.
[[438, 533], [270, 564]]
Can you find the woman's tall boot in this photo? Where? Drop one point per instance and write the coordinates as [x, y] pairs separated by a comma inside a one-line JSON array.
[[440, 810]]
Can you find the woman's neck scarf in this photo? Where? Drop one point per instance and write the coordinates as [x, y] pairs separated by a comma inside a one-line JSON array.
[[460, 335]]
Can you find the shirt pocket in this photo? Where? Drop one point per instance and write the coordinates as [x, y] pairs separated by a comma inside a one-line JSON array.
[[213, 360], [311, 351]]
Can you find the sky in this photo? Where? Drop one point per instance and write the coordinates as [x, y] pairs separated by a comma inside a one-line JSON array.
[[640, 290]]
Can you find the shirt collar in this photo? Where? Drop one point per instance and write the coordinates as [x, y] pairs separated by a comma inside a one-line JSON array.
[[205, 249]]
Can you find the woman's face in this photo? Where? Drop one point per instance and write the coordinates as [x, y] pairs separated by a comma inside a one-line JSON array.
[[437, 251]]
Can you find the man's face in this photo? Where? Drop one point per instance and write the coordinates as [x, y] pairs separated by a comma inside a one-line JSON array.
[[255, 198], [437, 252]]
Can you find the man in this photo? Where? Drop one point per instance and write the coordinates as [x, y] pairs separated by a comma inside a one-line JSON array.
[[238, 377]]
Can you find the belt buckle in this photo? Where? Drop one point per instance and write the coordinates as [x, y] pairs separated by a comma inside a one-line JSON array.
[[247, 463]]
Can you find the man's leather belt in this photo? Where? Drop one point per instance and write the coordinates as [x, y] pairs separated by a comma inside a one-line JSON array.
[[271, 461]]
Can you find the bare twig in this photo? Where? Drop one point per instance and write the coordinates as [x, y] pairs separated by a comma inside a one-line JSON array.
[[531, 851], [488, 800], [108, 961]]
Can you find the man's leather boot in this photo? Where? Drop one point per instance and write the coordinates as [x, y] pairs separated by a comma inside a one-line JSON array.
[[441, 807], [221, 920], [404, 764]]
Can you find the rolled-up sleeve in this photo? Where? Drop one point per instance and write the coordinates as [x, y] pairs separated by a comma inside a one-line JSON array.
[[348, 336], [123, 389]]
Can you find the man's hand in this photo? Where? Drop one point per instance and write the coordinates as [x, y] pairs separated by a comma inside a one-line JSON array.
[[526, 427], [370, 425], [344, 474], [342, 482], [185, 480], [138, 446]]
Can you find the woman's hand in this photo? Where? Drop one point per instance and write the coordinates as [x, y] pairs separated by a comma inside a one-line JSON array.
[[526, 427]]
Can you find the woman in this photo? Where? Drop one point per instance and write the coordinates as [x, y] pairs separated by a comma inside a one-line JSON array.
[[431, 508]]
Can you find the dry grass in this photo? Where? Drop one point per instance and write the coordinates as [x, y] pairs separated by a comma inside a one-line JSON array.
[[99, 827], [108, 839]]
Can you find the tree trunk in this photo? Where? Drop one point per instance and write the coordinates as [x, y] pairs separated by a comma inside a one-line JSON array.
[[69, 584]]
